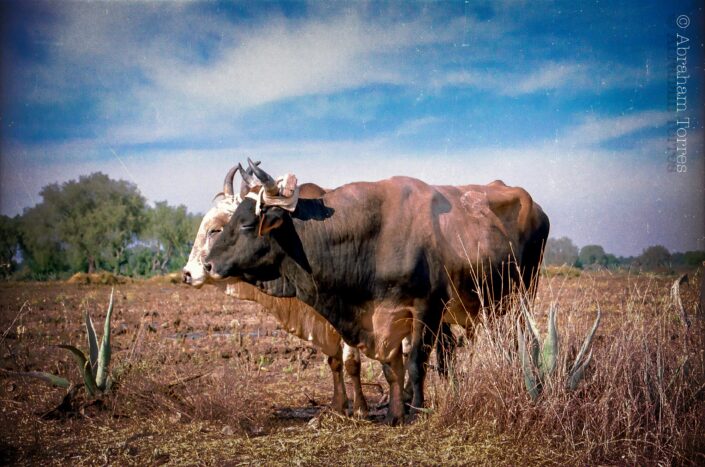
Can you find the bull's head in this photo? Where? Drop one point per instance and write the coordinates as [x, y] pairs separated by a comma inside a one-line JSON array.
[[246, 247], [194, 273]]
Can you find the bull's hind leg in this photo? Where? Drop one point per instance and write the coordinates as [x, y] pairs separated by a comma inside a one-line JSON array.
[[351, 357], [445, 349], [394, 373], [426, 324], [340, 399], [446, 343]]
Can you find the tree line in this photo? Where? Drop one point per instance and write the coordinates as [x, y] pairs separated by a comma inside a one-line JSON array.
[[563, 252], [96, 223], [91, 224]]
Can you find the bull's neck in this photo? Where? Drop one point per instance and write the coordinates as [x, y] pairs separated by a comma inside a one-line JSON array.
[[279, 307], [336, 247]]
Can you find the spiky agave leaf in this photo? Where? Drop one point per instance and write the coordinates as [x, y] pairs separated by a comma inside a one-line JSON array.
[[84, 367], [43, 376], [104, 353], [76, 354], [549, 352], [534, 334], [88, 378], [586, 343], [575, 376], [533, 327], [577, 371], [92, 342], [529, 379]]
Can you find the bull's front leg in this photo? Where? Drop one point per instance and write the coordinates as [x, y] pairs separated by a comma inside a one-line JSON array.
[[408, 389], [340, 399], [427, 320], [351, 357], [394, 373]]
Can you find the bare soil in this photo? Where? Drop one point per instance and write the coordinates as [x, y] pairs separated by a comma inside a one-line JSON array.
[[205, 379]]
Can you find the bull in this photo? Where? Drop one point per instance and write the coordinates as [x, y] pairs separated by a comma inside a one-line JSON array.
[[383, 260], [293, 315]]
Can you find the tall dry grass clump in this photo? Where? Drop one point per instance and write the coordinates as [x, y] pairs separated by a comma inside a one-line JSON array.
[[192, 390], [642, 399]]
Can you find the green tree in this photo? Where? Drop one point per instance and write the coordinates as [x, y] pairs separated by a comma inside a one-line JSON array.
[[560, 252], [611, 261], [689, 258], [9, 244], [654, 257], [43, 251], [89, 222], [171, 229], [139, 260], [592, 254]]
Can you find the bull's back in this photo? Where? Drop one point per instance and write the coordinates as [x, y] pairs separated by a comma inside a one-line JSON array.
[[421, 235]]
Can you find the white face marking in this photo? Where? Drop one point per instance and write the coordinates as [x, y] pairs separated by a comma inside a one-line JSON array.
[[214, 220]]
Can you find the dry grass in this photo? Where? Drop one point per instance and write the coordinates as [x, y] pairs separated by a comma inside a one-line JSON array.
[[102, 278], [214, 399], [642, 400], [226, 393], [560, 271], [171, 278]]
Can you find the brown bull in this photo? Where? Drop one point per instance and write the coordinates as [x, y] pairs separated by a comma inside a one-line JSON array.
[[293, 315], [381, 260]]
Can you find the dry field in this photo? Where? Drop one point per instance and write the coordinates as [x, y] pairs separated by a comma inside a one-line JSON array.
[[204, 379]]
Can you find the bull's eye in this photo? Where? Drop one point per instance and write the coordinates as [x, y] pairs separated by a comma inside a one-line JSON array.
[[250, 226], [212, 232]]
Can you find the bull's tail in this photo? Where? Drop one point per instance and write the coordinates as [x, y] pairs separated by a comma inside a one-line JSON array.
[[533, 253]]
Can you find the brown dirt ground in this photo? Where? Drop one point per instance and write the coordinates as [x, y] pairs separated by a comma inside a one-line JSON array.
[[206, 379]]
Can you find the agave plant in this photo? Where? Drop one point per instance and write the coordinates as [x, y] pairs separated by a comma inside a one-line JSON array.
[[541, 362], [94, 367]]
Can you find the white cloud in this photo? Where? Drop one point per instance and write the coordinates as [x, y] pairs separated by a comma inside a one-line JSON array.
[[160, 76], [599, 130], [549, 76], [412, 127], [566, 76], [152, 79], [281, 60], [592, 195], [160, 73]]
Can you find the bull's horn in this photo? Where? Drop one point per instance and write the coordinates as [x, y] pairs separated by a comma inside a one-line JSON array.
[[247, 181], [270, 186], [228, 183], [247, 177]]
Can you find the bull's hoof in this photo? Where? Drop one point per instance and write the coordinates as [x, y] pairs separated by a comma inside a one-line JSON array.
[[393, 420], [412, 416], [339, 407]]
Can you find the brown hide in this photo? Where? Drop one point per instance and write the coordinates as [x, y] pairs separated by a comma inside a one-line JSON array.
[[293, 315], [461, 229]]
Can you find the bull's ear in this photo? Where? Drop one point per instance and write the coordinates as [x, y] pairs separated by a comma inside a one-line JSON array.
[[270, 219]]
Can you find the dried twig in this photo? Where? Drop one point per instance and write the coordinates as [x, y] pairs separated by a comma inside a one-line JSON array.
[[187, 379], [18, 316], [676, 299]]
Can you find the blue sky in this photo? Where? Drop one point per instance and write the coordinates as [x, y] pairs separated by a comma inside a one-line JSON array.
[[567, 99]]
